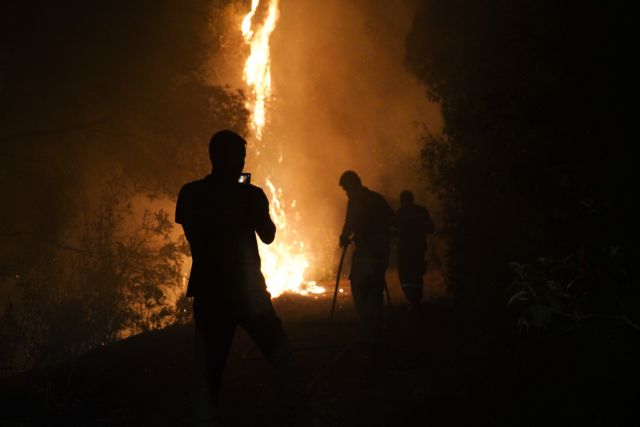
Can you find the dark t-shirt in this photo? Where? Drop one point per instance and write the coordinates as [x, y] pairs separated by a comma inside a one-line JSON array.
[[220, 220], [368, 215], [369, 219], [413, 223]]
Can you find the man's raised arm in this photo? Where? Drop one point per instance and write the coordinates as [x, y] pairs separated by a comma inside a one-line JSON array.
[[265, 227]]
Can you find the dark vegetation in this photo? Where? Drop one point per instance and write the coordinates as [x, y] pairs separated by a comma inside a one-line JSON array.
[[413, 382], [102, 113], [534, 173]]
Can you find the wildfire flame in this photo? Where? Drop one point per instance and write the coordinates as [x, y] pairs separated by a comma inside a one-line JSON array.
[[257, 68], [283, 262]]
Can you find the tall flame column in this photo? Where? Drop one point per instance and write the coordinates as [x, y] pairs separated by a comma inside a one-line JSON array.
[[284, 262]]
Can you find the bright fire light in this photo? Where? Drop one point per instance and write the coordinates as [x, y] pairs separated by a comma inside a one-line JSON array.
[[284, 262], [257, 68]]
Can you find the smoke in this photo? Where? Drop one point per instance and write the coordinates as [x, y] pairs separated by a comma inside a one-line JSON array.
[[342, 100], [84, 101], [106, 94]]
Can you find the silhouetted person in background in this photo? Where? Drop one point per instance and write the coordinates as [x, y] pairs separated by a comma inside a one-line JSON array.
[[368, 220], [220, 218], [413, 223]]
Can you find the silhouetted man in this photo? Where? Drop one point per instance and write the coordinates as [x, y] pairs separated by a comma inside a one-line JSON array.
[[220, 218], [368, 220], [413, 224]]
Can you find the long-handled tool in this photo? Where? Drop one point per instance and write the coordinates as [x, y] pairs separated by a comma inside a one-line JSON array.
[[335, 292]]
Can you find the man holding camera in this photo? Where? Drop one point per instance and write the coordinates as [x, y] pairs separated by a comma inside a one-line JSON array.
[[221, 215]]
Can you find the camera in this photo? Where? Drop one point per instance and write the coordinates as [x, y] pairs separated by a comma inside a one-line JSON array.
[[245, 178]]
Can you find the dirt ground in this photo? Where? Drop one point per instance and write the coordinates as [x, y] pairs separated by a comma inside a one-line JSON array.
[[435, 369]]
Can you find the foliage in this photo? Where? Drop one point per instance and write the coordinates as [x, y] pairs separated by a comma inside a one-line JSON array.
[[529, 164], [117, 282], [184, 309], [576, 291], [98, 131], [140, 262]]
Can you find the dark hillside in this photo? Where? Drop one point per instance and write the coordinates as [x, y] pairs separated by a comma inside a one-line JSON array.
[[436, 369]]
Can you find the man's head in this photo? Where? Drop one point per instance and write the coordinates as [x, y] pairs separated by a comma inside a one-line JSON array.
[[350, 182], [406, 198], [227, 151]]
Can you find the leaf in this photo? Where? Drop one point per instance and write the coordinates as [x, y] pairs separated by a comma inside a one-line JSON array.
[[517, 268], [518, 296]]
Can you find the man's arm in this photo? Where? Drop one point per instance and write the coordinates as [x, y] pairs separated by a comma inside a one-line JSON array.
[[264, 226], [349, 225], [185, 216]]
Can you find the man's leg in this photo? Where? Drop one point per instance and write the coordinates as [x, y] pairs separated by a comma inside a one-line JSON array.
[[358, 292], [375, 304], [265, 329], [368, 297], [411, 270], [213, 337]]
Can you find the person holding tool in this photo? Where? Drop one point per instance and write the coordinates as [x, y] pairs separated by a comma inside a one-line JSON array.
[[367, 222], [221, 215]]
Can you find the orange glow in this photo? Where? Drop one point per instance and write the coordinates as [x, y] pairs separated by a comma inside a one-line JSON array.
[[284, 262], [257, 68]]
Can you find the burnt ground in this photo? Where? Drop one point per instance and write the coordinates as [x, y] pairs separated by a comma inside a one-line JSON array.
[[439, 367]]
